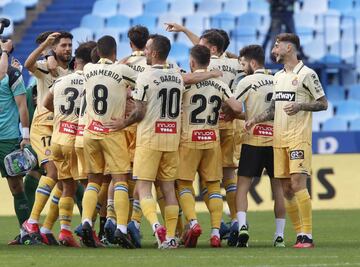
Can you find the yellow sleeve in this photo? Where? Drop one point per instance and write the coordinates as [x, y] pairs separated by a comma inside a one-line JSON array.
[[140, 89], [242, 90], [41, 69], [312, 83], [227, 92], [129, 75]]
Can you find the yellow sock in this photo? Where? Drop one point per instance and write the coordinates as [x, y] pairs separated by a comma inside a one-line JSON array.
[[305, 210], [186, 199], [204, 193], [102, 197], [171, 217], [53, 212], [90, 201], [180, 224], [131, 184], [160, 200], [215, 203], [148, 207], [66, 206], [121, 202], [136, 214], [230, 187], [43, 191], [292, 210]]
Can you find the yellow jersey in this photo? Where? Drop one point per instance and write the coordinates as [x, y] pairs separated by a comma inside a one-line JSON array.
[[106, 93], [301, 85], [200, 113], [162, 89]]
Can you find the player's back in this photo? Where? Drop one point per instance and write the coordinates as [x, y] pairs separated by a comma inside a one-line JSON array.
[[67, 91], [200, 113], [106, 93], [256, 92], [137, 61], [162, 89]]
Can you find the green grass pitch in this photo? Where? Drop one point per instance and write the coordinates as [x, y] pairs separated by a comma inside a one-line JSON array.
[[336, 235]]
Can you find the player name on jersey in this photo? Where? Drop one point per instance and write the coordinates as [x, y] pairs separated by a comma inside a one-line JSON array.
[[168, 78], [104, 72]]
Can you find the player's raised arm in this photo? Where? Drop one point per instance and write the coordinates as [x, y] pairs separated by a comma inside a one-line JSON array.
[[49, 101], [30, 62], [192, 78], [174, 27], [4, 60]]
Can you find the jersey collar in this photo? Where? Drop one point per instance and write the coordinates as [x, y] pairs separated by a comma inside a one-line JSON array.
[[298, 67], [201, 70], [160, 66], [214, 57], [105, 61], [138, 53], [262, 71]]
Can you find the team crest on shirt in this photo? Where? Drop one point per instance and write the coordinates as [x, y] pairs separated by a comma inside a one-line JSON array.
[[47, 152], [295, 82], [165, 127]]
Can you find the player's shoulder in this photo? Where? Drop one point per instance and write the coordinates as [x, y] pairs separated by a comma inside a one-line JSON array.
[[89, 66]]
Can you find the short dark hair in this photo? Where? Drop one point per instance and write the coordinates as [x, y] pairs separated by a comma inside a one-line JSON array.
[[94, 55], [255, 52], [161, 44], [201, 54], [42, 37], [138, 35], [61, 36], [289, 37], [223, 34], [83, 52], [106, 46], [214, 38]]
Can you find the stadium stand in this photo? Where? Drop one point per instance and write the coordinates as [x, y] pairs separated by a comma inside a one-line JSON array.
[[329, 32]]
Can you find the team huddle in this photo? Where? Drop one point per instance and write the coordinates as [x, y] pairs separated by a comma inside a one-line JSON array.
[[118, 127]]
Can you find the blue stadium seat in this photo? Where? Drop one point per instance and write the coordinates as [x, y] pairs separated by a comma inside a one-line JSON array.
[[123, 50], [197, 23], [355, 125], [245, 35], [315, 126], [342, 5], [114, 32], [179, 51], [331, 59], [315, 7], [306, 34], [15, 11], [150, 21], [182, 7], [105, 8], [349, 109], [155, 7], [335, 124], [316, 49], [236, 7], [4, 2], [182, 38], [161, 30], [184, 64], [118, 21], [81, 35], [249, 19], [225, 21], [259, 6], [335, 92], [169, 17], [92, 21], [210, 7], [304, 19], [354, 92], [27, 3], [131, 8]]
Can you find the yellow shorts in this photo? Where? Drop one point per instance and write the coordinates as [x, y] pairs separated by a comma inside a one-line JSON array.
[[207, 162], [151, 165], [130, 134], [108, 156], [81, 162], [228, 147], [65, 160], [40, 138], [294, 159]]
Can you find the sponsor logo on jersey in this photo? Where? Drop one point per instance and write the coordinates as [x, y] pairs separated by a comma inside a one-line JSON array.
[[68, 128], [285, 96], [263, 130], [203, 135], [296, 154], [165, 127], [80, 130], [96, 126], [295, 82]]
